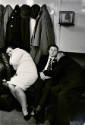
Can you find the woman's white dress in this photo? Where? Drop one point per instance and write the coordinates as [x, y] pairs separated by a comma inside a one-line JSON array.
[[26, 72]]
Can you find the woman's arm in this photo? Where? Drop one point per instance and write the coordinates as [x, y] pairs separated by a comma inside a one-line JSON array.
[[16, 57]]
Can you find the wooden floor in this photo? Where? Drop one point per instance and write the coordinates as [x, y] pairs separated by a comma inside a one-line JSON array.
[[16, 118]]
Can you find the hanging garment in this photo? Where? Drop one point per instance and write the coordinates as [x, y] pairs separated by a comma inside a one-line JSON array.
[[2, 44], [43, 35], [13, 35], [25, 27], [7, 12], [35, 9]]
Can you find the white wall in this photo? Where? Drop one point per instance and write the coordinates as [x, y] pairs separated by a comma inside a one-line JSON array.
[[72, 39], [14, 2], [52, 3]]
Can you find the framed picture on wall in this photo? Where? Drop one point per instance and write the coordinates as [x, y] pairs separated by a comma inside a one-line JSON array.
[[66, 18]]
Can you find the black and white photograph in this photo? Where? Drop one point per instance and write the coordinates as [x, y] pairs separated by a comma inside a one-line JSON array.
[[42, 62], [66, 18]]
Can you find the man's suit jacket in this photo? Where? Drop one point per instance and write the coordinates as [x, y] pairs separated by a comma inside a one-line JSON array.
[[68, 73], [43, 62]]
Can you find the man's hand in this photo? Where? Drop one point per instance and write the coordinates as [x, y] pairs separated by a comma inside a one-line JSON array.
[[43, 77]]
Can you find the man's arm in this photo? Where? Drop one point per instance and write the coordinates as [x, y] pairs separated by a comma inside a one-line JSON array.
[[42, 63], [60, 66]]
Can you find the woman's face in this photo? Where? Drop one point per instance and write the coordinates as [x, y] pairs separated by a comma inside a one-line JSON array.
[[9, 51]]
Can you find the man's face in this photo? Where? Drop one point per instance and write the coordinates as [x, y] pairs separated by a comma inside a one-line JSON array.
[[53, 51]]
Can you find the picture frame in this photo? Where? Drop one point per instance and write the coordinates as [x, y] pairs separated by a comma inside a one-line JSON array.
[[66, 18]]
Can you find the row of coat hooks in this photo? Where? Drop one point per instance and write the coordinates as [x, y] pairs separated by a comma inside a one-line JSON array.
[[19, 13], [25, 9]]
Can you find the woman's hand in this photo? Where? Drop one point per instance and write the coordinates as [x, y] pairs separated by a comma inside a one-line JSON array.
[[4, 82]]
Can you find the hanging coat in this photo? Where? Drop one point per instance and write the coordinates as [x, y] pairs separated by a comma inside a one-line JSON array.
[[13, 37], [2, 44], [25, 27], [7, 12], [43, 35]]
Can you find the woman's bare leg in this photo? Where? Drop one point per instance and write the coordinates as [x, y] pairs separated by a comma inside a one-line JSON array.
[[19, 94], [12, 89], [21, 97]]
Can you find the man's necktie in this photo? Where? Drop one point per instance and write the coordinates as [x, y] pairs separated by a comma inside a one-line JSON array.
[[49, 65]]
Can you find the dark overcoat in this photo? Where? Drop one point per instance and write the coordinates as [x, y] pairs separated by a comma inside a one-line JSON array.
[[13, 37], [2, 44], [25, 27]]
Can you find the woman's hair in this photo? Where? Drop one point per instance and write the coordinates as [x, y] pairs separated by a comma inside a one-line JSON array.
[[10, 46]]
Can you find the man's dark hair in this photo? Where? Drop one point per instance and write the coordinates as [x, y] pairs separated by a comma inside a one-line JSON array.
[[53, 46]]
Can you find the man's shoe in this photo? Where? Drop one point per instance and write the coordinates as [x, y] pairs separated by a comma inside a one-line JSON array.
[[39, 116], [27, 117]]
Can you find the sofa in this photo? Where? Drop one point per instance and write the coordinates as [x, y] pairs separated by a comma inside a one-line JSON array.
[[65, 113], [7, 101], [70, 105]]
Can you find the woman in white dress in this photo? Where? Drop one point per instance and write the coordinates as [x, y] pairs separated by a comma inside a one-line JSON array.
[[26, 75]]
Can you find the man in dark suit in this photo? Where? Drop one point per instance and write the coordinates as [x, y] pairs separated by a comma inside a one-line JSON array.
[[64, 81], [45, 82], [66, 84]]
